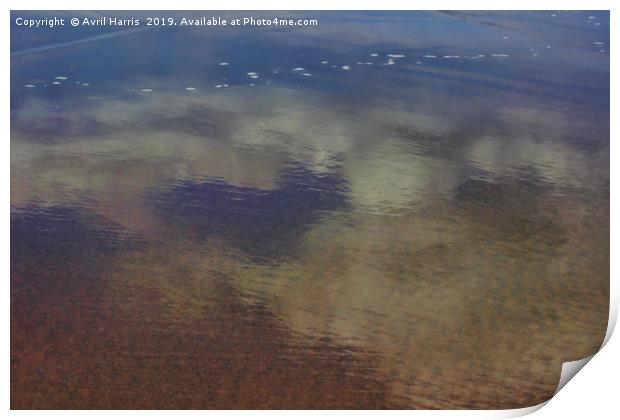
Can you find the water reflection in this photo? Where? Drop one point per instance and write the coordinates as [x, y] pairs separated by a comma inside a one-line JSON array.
[[263, 223], [429, 230]]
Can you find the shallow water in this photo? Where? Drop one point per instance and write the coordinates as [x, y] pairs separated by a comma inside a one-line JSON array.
[[418, 218]]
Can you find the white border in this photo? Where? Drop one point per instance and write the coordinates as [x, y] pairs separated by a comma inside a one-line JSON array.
[[594, 394]]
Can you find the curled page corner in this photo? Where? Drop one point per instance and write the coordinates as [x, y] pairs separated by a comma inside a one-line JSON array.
[[570, 369]]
